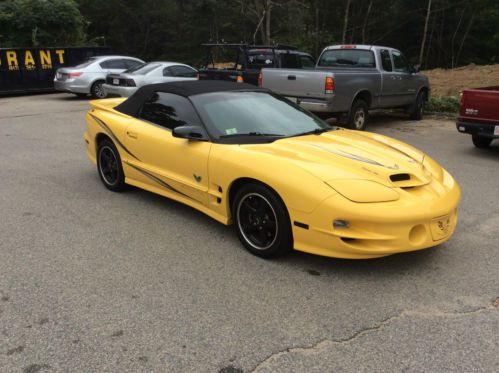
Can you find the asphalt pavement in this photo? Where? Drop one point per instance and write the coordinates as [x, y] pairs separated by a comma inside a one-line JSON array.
[[96, 281]]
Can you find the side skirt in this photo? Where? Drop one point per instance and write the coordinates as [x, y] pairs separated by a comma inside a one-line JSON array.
[[179, 198]]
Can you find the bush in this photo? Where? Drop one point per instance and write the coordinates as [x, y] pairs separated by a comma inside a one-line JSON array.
[[444, 104]]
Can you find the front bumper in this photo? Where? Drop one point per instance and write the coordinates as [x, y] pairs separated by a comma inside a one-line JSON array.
[[71, 86], [116, 90], [481, 129], [418, 220]]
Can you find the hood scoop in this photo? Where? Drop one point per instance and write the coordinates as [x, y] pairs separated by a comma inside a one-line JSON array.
[[405, 180]]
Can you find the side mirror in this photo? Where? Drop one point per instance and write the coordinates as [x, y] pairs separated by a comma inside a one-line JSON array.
[[416, 69], [190, 133]]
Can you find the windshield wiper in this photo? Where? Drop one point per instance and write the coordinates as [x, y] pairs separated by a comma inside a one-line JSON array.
[[316, 131], [251, 134]]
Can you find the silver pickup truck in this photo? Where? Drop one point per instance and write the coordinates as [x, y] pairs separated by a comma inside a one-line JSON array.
[[348, 80]]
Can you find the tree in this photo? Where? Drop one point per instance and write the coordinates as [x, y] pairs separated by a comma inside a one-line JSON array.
[[40, 23], [425, 32]]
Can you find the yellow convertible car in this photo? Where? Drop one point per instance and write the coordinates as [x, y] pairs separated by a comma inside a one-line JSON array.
[[284, 178]]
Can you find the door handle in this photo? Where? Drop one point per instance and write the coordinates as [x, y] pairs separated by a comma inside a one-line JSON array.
[[291, 77], [131, 134]]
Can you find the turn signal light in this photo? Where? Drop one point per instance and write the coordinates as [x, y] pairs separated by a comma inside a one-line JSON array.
[[329, 84], [260, 80], [341, 224], [239, 79]]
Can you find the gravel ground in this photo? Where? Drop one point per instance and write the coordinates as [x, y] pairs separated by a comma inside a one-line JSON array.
[[95, 281]]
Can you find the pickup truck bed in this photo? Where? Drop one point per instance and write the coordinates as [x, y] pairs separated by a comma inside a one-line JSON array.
[[479, 115]]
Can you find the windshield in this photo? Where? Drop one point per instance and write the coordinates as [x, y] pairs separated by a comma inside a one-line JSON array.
[[239, 114], [142, 69], [87, 63], [347, 58]]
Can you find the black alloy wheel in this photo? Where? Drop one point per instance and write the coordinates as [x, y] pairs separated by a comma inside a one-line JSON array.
[[109, 166], [261, 221]]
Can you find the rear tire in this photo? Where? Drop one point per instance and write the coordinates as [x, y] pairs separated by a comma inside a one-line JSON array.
[[97, 90], [261, 221], [480, 141], [358, 116], [109, 166], [417, 110]]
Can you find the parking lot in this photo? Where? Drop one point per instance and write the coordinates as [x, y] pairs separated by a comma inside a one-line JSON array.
[[95, 281]]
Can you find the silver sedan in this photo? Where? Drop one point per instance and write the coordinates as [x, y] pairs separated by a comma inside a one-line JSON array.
[[88, 77], [128, 82]]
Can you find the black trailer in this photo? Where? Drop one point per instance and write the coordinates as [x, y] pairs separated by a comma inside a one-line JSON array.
[[25, 70]]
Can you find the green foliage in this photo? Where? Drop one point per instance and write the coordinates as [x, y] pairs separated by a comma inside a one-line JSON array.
[[459, 31], [40, 22], [444, 104]]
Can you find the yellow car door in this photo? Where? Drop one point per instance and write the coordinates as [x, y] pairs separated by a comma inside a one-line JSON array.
[[176, 165]]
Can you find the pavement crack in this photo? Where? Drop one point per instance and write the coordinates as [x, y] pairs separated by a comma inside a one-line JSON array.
[[325, 343]]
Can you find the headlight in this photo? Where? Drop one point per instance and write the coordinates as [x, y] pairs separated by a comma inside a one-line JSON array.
[[363, 191]]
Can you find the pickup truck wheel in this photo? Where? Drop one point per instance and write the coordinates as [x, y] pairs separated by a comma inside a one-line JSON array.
[[418, 107], [261, 221], [359, 116], [97, 90], [480, 141]]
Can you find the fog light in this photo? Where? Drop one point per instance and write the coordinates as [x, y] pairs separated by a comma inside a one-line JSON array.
[[340, 224]]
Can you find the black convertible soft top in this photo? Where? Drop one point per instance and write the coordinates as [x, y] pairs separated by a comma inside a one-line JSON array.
[[132, 105]]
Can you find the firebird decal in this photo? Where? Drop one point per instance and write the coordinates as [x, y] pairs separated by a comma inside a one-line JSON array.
[[113, 136], [355, 157], [158, 180]]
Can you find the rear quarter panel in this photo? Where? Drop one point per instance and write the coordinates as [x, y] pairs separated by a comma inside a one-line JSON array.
[[348, 83], [103, 120]]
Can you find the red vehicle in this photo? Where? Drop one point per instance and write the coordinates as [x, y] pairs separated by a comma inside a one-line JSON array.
[[479, 115]]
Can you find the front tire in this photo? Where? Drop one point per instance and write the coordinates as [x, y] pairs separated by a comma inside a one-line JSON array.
[[261, 221], [417, 111], [358, 116], [97, 90], [110, 167], [480, 141]]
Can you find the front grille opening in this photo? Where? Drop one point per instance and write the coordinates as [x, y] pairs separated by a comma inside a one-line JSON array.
[[400, 177]]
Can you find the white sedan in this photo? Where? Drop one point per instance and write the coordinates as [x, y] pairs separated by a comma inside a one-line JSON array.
[[126, 83]]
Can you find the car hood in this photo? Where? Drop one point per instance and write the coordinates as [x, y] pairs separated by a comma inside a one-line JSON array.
[[350, 155]]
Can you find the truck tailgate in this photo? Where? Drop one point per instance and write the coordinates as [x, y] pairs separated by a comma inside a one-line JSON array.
[[480, 105], [296, 83]]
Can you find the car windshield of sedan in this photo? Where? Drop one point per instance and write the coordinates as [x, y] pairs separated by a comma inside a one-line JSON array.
[[255, 114]]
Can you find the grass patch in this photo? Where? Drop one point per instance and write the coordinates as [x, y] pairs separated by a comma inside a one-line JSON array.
[[443, 104]]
